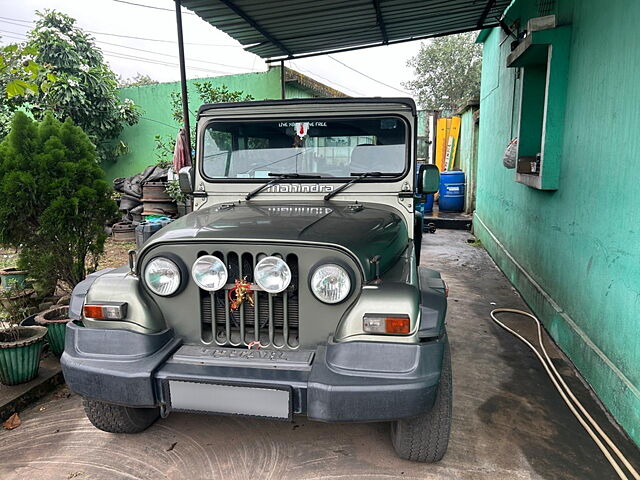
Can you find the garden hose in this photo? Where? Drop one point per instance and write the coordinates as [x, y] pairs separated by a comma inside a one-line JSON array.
[[569, 398]]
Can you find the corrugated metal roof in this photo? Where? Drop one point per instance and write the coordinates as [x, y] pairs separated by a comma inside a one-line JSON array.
[[278, 29]]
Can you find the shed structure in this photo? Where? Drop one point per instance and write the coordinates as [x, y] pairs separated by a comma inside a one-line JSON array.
[[290, 29]]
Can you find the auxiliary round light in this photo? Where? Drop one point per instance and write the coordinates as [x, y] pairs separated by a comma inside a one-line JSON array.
[[209, 273], [162, 276], [330, 283], [272, 274]]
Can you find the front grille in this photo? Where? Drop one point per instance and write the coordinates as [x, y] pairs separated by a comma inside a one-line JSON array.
[[273, 320]]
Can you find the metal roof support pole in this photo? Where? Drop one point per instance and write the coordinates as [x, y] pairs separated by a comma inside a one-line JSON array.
[[485, 12], [380, 20], [256, 26], [183, 75], [282, 85]]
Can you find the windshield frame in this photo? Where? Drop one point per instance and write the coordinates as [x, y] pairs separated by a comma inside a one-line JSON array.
[[409, 148]]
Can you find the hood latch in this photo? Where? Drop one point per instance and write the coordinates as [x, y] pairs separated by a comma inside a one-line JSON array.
[[375, 264]]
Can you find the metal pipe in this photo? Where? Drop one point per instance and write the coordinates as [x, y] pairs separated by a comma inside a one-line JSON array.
[[282, 80], [183, 75]]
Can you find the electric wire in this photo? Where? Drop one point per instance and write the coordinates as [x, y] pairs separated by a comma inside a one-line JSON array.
[[304, 70], [149, 51], [368, 76], [152, 7], [158, 121], [153, 61], [12, 20], [125, 56], [29, 23], [175, 57], [567, 395]]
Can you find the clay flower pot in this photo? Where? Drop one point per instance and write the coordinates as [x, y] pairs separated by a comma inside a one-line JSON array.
[[12, 277], [20, 349], [16, 298], [55, 319]]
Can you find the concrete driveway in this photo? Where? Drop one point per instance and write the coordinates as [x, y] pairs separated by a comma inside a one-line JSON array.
[[508, 422]]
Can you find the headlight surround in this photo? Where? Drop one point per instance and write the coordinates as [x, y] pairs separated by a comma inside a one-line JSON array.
[[162, 276], [209, 273], [331, 283], [272, 274]]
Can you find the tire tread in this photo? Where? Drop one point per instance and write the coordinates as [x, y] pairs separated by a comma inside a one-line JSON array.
[[117, 418], [425, 438]]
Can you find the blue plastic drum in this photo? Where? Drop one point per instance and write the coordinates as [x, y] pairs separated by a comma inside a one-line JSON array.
[[428, 203], [451, 191]]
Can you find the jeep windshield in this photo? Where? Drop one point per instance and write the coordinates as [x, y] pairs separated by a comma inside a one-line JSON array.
[[333, 148]]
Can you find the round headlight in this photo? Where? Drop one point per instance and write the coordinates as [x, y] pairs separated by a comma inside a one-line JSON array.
[[209, 273], [162, 276], [272, 274], [330, 283]]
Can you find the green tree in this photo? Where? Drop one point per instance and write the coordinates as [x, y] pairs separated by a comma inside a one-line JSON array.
[[138, 80], [21, 80], [207, 93], [86, 89], [447, 72], [55, 201]]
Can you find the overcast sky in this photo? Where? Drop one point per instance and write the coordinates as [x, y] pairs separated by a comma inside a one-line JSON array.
[[209, 51]]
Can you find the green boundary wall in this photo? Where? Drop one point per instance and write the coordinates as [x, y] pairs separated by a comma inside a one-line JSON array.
[[574, 253]]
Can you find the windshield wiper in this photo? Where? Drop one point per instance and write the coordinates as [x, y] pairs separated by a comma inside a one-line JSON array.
[[279, 177], [359, 176]]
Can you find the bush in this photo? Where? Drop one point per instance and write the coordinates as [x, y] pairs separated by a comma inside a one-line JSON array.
[[54, 200]]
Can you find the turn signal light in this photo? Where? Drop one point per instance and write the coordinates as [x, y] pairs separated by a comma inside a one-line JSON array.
[[393, 325], [111, 311]]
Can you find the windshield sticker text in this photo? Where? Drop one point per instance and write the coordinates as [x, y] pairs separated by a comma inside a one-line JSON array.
[[308, 124]]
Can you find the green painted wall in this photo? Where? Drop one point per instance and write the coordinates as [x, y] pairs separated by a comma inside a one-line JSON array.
[[574, 253], [156, 117], [467, 154]]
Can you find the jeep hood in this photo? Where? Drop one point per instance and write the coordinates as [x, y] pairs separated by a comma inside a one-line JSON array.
[[365, 230]]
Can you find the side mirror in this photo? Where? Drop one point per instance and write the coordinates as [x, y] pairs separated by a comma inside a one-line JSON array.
[[429, 179], [184, 180]]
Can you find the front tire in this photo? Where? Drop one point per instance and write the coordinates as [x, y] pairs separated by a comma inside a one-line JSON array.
[[425, 438], [117, 418]]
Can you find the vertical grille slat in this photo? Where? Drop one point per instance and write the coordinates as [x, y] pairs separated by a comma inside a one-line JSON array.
[[256, 307], [273, 319], [285, 323], [243, 338]]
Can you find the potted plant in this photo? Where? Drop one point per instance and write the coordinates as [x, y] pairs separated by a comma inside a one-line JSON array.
[[55, 321], [10, 274], [20, 346], [173, 190], [15, 295]]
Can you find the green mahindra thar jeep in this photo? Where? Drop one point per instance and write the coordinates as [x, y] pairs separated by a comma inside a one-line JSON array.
[[293, 288]]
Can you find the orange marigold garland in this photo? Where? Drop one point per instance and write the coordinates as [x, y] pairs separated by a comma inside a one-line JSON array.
[[240, 293]]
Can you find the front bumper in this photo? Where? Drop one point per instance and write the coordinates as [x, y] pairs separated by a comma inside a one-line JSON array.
[[349, 381]]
